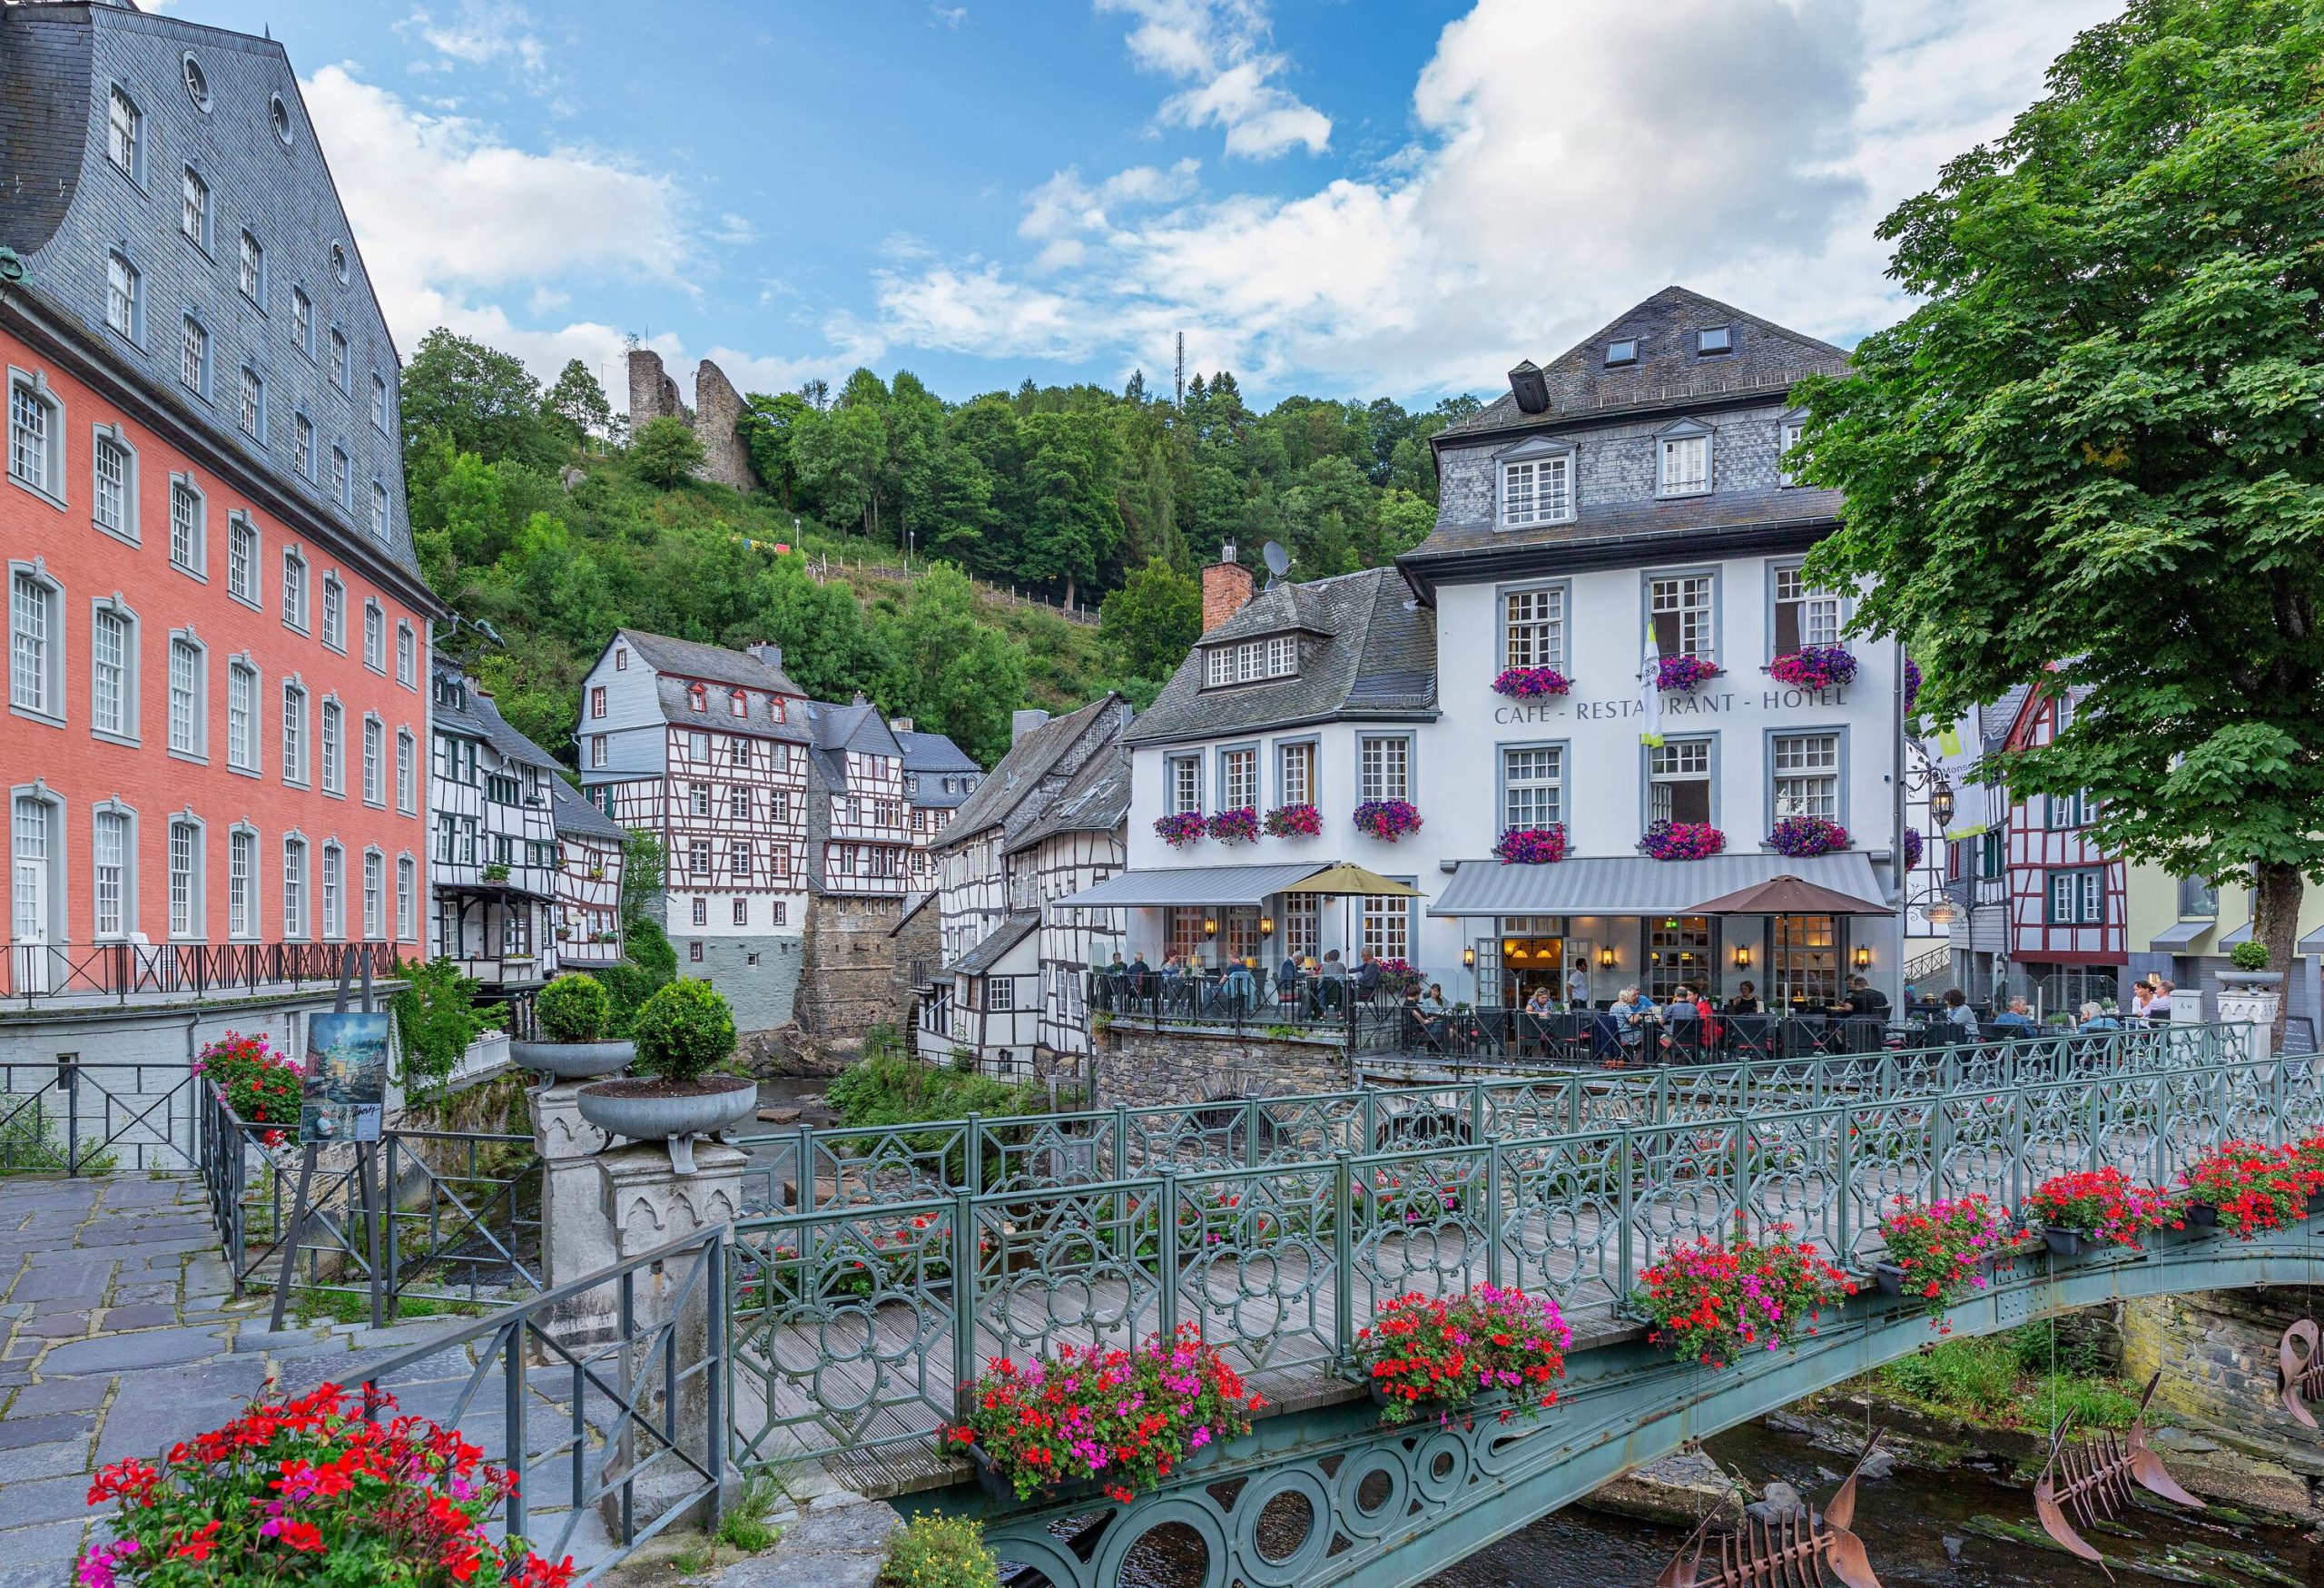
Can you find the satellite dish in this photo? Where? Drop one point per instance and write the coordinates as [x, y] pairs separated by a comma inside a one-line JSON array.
[[1278, 560]]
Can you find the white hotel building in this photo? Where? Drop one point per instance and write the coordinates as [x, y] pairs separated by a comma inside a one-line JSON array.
[[1630, 492]]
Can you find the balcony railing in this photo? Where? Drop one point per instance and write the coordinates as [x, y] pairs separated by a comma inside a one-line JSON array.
[[39, 974]]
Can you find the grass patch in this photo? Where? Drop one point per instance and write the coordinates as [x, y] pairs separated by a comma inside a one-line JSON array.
[[2004, 1381], [887, 1089], [744, 1525], [311, 1304]]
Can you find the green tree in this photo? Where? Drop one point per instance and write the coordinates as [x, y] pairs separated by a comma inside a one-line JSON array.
[[765, 427], [952, 672], [665, 451], [578, 403], [826, 649], [1149, 625], [459, 519], [482, 400], [2095, 457], [838, 454]]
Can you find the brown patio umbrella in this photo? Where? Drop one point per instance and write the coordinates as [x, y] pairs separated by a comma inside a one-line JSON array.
[[1787, 895]]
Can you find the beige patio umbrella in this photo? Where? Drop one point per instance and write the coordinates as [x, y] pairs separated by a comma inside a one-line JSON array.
[[1347, 882]]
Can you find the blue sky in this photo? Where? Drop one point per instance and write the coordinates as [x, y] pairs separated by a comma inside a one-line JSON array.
[[1342, 197]]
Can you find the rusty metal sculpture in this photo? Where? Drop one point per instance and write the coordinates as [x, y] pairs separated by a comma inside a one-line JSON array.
[[2093, 1478], [2304, 1373], [1791, 1552]]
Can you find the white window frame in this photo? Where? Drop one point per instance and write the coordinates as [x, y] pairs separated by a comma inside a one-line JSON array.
[[1804, 772], [334, 603], [406, 752], [330, 738], [296, 925], [1532, 785], [1238, 779], [111, 440], [1183, 774], [125, 297], [1678, 593], [1385, 925], [125, 134], [1536, 491], [2087, 901], [302, 445], [1534, 626], [113, 902], [182, 869], [341, 477], [341, 369], [303, 321], [407, 886], [378, 402], [242, 883], [294, 589], [331, 879], [378, 511], [242, 716], [119, 724], [1677, 473], [249, 269], [242, 544], [36, 643], [375, 888], [294, 733], [36, 437], [374, 636], [1676, 760], [249, 413], [406, 655], [193, 357], [1295, 764], [1787, 436], [189, 526], [1818, 616], [188, 729], [1384, 767]]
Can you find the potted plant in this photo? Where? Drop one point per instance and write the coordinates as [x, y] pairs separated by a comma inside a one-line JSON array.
[[1239, 825], [1421, 1352], [2250, 960], [1295, 821], [2306, 1156], [1387, 819], [1938, 1249], [1710, 1302], [2245, 1187], [1682, 840], [1117, 1420], [2104, 1206], [1814, 667], [311, 1491], [263, 1088], [574, 1012], [496, 872], [1676, 674], [682, 1032]]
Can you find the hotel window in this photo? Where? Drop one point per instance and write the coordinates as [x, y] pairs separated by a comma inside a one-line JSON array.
[[251, 415], [1678, 955], [121, 295], [1386, 765], [1681, 611], [375, 638], [251, 276], [1182, 932], [698, 856], [596, 750], [406, 650], [403, 769], [2067, 810], [738, 860], [185, 879], [112, 660], [186, 534], [339, 476], [1804, 617], [379, 511], [1185, 785], [185, 698], [334, 885], [242, 716], [374, 739], [2077, 898], [738, 751], [1296, 774], [1530, 781], [1686, 465], [36, 438], [294, 590], [36, 649], [302, 321], [242, 559], [1789, 432], [294, 734], [701, 918], [113, 873], [124, 132], [1679, 776], [1387, 927], [1535, 621], [1239, 775], [597, 700], [339, 365], [1537, 491], [1807, 775], [778, 805], [193, 210], [193, 357], [405, 872], [1251, 661], [1303, 918], [241, 883], [738, 803], [375, 879], [742, 913], [698, 798], [294, 888], [115, 490], [334, 613], [1807, 962], [302, 456]]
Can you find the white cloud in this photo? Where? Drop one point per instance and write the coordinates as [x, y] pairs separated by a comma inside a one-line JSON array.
[[734, 231], [1747, 148], [481, 34], [1219, 47], [949, 15]]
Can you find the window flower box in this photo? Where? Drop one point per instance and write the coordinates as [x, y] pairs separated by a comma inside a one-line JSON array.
[[1239, 825], [1682, 841], [1531, 845], [2096, 1208], [1295, 821], [1939, 1251], [1178, 830], [1710, 1302], [1387, 819], [1531, 683], [1814, 667], [1423, 1354], [2252, 1187], [1677, 674], [1802, 836]]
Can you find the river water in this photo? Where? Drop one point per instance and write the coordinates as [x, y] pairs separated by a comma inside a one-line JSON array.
[[1905, 1522]]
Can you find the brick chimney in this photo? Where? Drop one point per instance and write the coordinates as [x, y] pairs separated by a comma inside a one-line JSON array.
[[1226, 588], [766, 651]]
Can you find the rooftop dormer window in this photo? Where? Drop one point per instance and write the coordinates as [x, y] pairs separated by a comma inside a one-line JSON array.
[[1685, 449], [1622, 352], [1536, 487], [739, 704], [1252, 661], [124, 132], [1714, 341], [698, 698]]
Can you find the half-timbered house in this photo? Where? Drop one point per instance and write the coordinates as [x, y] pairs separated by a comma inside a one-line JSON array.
[[588, 881], [494, 862], [859, 839], [1081, 841], [938, 777]]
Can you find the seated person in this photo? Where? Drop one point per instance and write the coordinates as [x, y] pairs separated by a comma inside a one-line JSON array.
[[1745, 1001], [1864, 1001], [2016, 1021], [1959, 1016], [2094, 1018]]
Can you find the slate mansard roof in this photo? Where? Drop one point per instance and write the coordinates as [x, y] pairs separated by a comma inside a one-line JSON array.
[[932, 758], [1594, 406], [1096, 801], [1369, 651], [711, 664]]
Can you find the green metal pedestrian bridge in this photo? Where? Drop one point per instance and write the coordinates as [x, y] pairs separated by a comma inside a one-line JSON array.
[[881, 1268]]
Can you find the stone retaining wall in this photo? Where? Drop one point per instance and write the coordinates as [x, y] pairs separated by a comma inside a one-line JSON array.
[[2217, 1354], [1144, 1069]]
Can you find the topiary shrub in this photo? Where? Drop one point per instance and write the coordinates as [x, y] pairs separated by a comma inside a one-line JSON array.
[[2249, 955], [684, 1032], [574, 1008]]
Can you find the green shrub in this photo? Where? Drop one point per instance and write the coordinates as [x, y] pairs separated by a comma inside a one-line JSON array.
[[889, 1089], [436, 1019], [2249, 955], [939, 1551], [684, 1032], [573, 1008]]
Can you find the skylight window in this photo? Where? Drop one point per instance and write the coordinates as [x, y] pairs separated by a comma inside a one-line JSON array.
[[1715, 341], [1620, 351]]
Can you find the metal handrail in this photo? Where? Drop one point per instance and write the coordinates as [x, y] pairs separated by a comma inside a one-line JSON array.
[[122, 970], [100, 1109]]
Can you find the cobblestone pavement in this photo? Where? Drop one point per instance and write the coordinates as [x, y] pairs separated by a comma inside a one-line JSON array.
[[122, 1336]]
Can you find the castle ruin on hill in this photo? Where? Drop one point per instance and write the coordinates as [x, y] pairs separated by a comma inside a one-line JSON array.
[[716, 407]]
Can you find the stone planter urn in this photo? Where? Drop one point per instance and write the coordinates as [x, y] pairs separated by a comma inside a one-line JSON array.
[[2251, 999], [671, 1111], [573, 1061]]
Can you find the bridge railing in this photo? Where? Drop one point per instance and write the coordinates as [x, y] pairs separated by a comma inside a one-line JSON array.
[[807, 1168], [855, 1326]]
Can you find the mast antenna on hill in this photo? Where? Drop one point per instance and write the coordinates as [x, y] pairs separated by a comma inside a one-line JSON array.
[[1182, 368]]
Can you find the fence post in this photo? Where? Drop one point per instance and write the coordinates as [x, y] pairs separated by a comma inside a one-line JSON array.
[[1492, 1215], [1165, 1252], [802, 1174], [973, 1172], [68, 1076], [1842, 1240], [1940, 1144], [1121, 1141], [1342, 1258], [1742, 1220], [1625, 1251], [715, 1431], [1251, 1133], [513, 1408], [964, 1305]]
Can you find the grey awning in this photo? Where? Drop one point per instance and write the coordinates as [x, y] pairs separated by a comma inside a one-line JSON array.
[[1193, 884], [2241, 935], [1633, 884], [2174, 938]]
